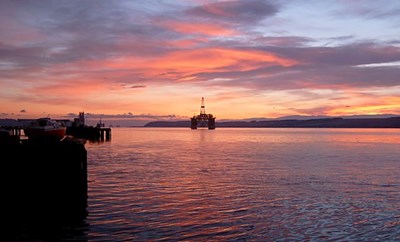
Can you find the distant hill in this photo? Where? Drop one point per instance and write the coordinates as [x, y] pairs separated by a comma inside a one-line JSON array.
[[392, 122]]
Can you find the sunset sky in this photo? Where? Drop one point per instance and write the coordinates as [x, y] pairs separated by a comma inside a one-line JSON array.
[[155, 59]]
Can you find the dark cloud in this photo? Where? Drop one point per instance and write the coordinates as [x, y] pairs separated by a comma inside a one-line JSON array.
[[308, 77], [137, 86], [248, 11], [129, 116], [316, 67], [341, 38], [77, 30], [23, 111], [351, 54], [22, 57], [284, 41]]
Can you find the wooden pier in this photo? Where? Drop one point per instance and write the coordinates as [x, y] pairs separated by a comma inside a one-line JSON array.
[[90, 133]]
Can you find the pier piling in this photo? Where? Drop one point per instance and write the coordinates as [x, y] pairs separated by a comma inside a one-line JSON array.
[[90, 133]]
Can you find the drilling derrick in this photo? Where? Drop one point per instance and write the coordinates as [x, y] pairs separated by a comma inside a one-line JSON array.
[[203, 119], [202, 107]]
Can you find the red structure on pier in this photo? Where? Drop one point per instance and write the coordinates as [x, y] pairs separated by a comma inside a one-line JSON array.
[[203, 119]]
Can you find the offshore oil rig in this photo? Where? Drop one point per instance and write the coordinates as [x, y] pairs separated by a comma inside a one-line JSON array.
[[203, 119]]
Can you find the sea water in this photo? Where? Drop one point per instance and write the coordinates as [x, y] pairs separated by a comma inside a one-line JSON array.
[[230, 184]]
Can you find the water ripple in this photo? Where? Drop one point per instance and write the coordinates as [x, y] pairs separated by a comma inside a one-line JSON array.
[[245, 185]]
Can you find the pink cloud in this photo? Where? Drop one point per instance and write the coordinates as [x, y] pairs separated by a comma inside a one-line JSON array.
[[198, 60], [199, 28]]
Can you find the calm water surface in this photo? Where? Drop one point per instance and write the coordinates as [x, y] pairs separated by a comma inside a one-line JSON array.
[[167, 184]]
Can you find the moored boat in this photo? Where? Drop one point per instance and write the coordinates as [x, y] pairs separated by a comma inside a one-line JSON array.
[[45, 128]]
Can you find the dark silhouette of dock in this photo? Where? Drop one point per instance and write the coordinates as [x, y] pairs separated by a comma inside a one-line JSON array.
[[43, 188], [79, 129], [90, 133]]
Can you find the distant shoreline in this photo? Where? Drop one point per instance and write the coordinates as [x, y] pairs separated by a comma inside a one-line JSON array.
[[337, 122], [393, 122]]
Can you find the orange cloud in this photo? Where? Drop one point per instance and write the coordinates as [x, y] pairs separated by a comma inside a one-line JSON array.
[[70, 88], [380, 106], [199, 60], [179, 65]]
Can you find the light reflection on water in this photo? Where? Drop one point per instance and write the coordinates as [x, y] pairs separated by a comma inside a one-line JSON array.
[[245, 184]]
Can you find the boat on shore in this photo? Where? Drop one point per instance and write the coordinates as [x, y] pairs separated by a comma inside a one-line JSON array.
[[45, 128]]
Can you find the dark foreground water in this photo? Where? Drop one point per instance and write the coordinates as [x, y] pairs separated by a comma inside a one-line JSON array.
[[170, 184]]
